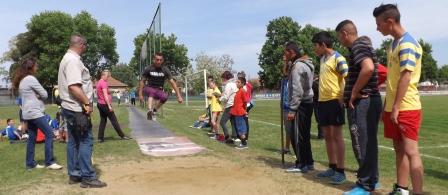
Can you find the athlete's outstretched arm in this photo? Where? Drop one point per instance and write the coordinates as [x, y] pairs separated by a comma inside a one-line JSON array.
[[174, 86]]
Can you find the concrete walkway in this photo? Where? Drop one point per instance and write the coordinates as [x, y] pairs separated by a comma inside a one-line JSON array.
[[153, 139]]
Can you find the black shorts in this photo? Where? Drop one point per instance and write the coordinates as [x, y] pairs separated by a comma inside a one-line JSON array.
[[330, 113]]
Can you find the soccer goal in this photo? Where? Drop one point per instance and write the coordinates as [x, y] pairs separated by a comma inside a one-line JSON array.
[[195, 87]]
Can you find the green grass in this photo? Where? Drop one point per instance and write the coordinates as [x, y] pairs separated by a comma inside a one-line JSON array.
[[12, 156], [265, 139], [264, 145]]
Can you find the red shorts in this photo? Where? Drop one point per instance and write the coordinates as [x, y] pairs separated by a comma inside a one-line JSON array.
[[408, 125]]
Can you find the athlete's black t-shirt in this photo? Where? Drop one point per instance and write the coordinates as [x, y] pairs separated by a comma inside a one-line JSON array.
[[156, 77]]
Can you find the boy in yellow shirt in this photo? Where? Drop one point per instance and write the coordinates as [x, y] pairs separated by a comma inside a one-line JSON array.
[[402, 111], [333, 70]]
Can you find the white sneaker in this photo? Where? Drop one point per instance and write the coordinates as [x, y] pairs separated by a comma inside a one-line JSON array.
[[38, 166], [154, 118], [54, 166]]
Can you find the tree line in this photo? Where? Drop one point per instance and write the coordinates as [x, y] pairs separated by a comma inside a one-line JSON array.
[[283, 29], [48, 32]]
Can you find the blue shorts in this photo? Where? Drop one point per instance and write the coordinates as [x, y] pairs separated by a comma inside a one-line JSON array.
[[240, 125]]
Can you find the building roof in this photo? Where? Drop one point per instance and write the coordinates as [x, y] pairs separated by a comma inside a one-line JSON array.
[[113, 83]]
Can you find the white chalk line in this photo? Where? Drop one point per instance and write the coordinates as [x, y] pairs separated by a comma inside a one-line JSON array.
[[379, 146]]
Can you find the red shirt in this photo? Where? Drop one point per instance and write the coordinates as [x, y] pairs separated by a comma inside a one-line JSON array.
[[248, 88], [239, 104], [382, 74]]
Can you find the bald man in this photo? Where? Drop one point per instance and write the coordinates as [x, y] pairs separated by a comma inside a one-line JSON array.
[[76, 92], [363, 102]]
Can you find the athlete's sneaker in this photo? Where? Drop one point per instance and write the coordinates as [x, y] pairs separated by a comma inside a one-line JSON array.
[[398, 191], [149, 115], [337, 178], [357, 191], [328, 173], [294, 169], [54, 166], [154, 113]]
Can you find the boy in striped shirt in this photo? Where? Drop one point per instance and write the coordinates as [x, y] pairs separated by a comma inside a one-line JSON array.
[[363, 102]]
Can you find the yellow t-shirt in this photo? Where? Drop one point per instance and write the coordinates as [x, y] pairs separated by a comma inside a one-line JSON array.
[[404, 54], [333, 70], [215, 105]]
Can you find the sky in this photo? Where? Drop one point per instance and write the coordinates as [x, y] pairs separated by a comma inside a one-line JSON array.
[[234, 27]]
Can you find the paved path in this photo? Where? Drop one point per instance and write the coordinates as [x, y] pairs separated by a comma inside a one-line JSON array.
[[153, 139]]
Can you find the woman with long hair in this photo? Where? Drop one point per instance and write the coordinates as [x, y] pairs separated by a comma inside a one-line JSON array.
[[33, 95]]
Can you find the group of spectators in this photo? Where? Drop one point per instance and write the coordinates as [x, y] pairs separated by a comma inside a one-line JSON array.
[[350, 84]]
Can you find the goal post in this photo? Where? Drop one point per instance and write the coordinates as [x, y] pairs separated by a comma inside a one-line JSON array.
[[188, 77]]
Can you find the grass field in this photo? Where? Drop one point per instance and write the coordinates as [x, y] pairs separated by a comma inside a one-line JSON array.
[[264, 145], [13, 175], [265, 139]]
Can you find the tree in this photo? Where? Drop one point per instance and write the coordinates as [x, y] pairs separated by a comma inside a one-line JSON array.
[[175, 54], [214, 65], [381, 52], [225, 62], [4, 74], [279, 31], [47, 38], [443, 73], [429, 64], [125, 74]]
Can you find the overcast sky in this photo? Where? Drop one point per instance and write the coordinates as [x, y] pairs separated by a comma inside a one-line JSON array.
[[234, 27]]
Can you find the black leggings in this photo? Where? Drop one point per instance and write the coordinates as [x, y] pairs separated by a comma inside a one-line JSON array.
[[104, 114]]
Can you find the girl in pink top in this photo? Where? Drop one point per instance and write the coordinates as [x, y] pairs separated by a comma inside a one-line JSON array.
[[105, 107]]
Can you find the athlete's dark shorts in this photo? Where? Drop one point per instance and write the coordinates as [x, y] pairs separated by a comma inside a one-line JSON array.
[[331, 113]]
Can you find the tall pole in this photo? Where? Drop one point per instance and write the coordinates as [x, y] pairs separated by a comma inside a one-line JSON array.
[[205, 88], [281, 121], [186, 91]]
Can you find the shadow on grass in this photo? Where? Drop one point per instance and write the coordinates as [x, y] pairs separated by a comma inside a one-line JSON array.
[[436, 174], [277, 163]]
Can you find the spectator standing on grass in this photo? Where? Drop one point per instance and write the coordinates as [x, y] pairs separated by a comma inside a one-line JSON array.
[[105, 108], [215, 108], [333, 70], [132, 96], [227, 97], [248, 88], [118, 94], [300, 99], [238, 112], [33, 108], [402, 115], [76, 92], [363, 101]]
